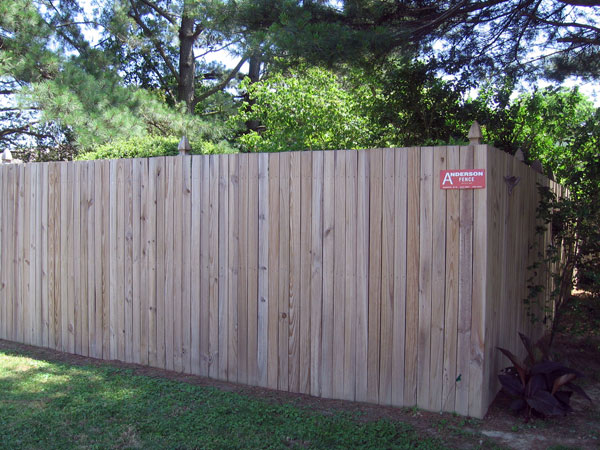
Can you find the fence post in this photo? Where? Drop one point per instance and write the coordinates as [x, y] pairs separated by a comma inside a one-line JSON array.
[[184, 146], [475, 134]]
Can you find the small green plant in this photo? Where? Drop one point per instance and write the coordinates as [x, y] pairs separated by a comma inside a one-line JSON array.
[[539, 386]]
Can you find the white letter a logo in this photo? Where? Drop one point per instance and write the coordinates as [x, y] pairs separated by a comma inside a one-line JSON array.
[[447, 178]]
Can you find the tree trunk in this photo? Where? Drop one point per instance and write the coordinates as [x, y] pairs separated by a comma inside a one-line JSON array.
[[185, 88], [254, 75]]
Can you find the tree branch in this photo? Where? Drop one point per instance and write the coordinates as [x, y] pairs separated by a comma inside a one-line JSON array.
[[134, 14], [221, 85], [171, 18]]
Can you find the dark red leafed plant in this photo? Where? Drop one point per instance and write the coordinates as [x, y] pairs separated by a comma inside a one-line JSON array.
[[539, 386]]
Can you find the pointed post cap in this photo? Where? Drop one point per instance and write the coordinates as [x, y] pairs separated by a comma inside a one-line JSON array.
[[475, 134], [519, 155], [7, 156], [184, 146]]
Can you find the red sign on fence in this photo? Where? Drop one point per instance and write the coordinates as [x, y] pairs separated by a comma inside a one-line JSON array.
[[462, 179]]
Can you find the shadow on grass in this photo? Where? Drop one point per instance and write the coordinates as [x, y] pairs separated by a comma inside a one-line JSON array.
[[55, 405]]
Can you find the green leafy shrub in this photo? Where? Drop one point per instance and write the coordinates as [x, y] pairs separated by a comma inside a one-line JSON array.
[[149, 146], [538, 384], [302, 110]]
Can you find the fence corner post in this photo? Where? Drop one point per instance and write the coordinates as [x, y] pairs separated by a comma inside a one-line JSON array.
[[475, 134]]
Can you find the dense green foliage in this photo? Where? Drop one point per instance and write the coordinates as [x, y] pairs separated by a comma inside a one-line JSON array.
[[54, 405], [151, 146], [303, 110]]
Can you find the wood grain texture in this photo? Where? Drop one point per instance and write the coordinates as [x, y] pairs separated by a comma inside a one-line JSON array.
[[266, 302], [223, 248], [412, 278], [294, 274], [213, 265], [305, 271], [233, 268], [273, 264], [316, 280], [186, 265], [477, 391], [387, 279], [362, 275], [242, 281], [375, 242], [328, 274], [252, 239], [438, 282], [343, 274], [350, 277], [465, 283], [451, 293], [400, 271], [339, 272], [284, 271]]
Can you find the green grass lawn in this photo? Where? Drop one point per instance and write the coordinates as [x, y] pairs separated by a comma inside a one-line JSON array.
[[54, 405]]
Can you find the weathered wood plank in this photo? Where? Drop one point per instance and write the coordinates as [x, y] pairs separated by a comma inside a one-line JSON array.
[[451, 293], [328, 273], [412, 277], [362, 275], [400, 271], [75, 270], [242, 280], [186, 265], [305, 270], [105, 243], [34, 257], [45, 267], [387, 279], [3, 252], [128, 261], [65, 236], [160, 179], [375, 222], [477, 392], [223, 249], [253, 268], [339, 272], [25, 299], [171, 286], [175, 272], [267, 330], [465, 277], [438, 282], [316, 280], [233, 268], [198, 272], [137, 262], [425, 277], [146, 275], [121, 292], [205, 274], [214, 264], [284, 273], [83, 326], [294, 274], [153, 259], [350, 274]]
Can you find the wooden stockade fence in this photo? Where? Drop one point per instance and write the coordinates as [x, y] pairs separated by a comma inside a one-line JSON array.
[[341, 274]]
